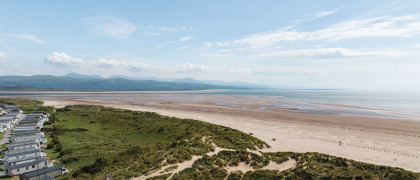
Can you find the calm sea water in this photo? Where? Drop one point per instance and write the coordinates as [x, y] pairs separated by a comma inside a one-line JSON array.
[[398, 100]]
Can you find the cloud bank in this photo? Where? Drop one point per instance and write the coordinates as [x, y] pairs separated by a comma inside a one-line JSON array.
[[188, 67], [62, 58]]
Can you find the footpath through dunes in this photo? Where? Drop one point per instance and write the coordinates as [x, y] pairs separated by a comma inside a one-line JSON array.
[[388, 146]]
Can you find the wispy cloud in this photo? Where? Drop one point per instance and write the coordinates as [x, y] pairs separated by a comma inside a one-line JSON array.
[[109, 26], [3, 56], [28, 37], [119, 63], [186, 38], [402, 26], [57, 58], [280, 70], [172, 29], [182, 47], [327, 53], [317, 15], [188, 67]]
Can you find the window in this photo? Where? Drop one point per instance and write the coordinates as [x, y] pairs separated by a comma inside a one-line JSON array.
[[33, 166], [27, 167], [17, 170]]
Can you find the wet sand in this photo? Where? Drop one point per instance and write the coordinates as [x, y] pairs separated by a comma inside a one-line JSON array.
[[367, 138]]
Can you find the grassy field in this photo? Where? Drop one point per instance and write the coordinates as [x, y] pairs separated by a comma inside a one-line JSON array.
[[93, 140]]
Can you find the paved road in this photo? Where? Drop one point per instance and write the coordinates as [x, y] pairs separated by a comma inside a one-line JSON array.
[[7, 135]]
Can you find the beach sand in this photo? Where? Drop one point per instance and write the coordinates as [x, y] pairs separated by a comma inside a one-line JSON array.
[[377, 140]]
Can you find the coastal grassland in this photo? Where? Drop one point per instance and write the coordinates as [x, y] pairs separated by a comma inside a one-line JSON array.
[[95, 140], [27, 105]]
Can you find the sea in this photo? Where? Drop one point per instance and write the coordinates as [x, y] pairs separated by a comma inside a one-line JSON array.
[[386, 103], [399, 104]]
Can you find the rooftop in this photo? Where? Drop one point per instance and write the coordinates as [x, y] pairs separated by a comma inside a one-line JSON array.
[[29, 163], [41, 171]]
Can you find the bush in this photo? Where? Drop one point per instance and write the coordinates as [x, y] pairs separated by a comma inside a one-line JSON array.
[[65, 152], [58, 148], [69, 160], [50, 145], [236, 175]]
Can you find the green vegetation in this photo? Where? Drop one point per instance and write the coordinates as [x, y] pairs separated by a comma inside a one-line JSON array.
[[27, 105], [309, 166], [93, 140], [16, 87], [135, 142], [44, 82]]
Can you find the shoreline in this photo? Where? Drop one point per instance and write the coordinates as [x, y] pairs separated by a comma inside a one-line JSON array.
[[390, 147], [108, 92]]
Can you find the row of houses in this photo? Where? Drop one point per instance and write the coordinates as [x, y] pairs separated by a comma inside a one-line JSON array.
[[9, 114], [25, 154]]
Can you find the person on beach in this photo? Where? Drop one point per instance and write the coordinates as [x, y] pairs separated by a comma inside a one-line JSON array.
[[339, 143]]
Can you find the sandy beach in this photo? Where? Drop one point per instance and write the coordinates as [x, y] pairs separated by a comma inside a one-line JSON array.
[[372, 139]]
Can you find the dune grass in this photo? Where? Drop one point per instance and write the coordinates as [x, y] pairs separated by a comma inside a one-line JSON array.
[[309, 166], [135, 142]]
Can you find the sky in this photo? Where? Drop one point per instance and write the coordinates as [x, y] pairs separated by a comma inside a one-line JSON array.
[[319, 44]]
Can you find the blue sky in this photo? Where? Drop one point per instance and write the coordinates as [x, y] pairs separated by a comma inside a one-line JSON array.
[[320, 44]]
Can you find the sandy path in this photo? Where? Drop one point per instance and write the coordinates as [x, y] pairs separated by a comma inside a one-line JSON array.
[[383, 146]]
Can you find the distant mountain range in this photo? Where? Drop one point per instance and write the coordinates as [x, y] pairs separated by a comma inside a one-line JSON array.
[[191, 80], [75, 81], [182, 80]]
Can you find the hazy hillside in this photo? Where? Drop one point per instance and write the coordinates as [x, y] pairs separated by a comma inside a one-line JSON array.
[[82, 76], [46, 82], [191, 80]]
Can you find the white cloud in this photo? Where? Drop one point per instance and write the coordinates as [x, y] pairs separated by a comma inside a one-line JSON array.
[[172, 29], [188, 67], [186, 38], [327, 53], [402, 26], [62, 59], [3, 56], [152, 34], [417, 45], [324, 13], [219, 43], [109, 26], [278, 70], [117, 63], [317, 15], [240, 70], [29, 37], [182, 47], [262, 40]]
